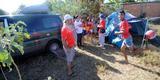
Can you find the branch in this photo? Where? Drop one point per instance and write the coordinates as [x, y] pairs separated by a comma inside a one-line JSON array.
[[3, 73], [19, 74]]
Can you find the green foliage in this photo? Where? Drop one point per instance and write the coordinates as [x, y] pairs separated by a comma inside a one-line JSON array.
[[11, 39], [116, 4], [91, 7], [3, 56], [64, 7], [124, 1], [141, 0], [74, 7]]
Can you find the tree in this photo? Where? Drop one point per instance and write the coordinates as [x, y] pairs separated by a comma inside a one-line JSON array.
[[64, 7], [115, 4], [141, 0], [11, 40], [124, 1], [78, 6]]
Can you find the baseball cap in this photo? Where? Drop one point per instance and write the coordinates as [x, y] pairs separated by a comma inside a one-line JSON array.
[[67, 17]]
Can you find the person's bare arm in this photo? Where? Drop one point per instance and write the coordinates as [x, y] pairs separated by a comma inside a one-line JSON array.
[[64, 43], [120, 32]]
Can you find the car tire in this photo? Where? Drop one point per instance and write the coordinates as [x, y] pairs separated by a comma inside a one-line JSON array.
[[53, 47]]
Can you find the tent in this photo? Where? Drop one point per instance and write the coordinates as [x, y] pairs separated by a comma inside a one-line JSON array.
[[112, 25]]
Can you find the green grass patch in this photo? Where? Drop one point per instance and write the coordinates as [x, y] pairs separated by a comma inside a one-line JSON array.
[[151, 58]]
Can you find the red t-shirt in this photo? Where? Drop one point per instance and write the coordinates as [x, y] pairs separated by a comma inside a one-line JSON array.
[[124, 26], [67, 35], [102, 25]]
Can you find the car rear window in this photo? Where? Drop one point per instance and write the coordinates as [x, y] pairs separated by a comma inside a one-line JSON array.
[[50, 22], [1, 23], [39, 23], [33, 23]]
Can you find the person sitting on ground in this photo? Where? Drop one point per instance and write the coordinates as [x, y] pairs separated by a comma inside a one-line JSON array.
[[68, 41]]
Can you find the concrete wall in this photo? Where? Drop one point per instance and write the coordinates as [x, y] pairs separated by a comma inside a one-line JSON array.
[[152, 9]]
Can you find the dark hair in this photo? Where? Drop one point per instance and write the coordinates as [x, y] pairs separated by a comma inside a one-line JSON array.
[[122, 12], [75, 17], [102, 16]]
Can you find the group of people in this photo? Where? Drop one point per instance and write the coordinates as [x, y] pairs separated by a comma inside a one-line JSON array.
[[73, 31]]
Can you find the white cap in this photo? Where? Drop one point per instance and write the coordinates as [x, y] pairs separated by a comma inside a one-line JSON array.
[[67, 17]]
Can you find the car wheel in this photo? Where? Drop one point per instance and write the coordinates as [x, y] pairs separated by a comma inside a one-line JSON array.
[[53, 48]]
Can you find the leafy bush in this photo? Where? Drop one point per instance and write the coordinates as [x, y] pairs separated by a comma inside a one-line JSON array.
[[11, 39]]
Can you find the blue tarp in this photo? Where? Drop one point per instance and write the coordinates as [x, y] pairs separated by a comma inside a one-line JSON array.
[[138, 26], [112, 25]]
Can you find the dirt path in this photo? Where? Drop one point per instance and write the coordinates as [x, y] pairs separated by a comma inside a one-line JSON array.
[[91, 63]]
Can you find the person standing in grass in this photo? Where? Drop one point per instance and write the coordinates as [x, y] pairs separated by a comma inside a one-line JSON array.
[[68, 41], [126, 36], [79, 30], [101, 31]]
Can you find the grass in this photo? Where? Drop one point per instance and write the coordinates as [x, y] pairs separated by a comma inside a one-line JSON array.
[[148, 57], [151, 58], [93, 63], [155, 27]]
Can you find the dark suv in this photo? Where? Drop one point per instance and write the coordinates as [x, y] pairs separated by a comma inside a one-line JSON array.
[[43, 28]]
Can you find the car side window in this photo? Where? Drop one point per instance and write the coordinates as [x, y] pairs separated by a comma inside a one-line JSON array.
[[10, 21], [51, 22], [31, 27], [33, 23]]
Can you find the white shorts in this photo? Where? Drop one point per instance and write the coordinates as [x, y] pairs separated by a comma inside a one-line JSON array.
[[128, 42]]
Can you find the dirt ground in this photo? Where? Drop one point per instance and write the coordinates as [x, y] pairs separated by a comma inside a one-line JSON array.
[[91, 63]]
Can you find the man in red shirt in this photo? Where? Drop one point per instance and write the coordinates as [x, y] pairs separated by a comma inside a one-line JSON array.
[[126, 36], [68, 41]]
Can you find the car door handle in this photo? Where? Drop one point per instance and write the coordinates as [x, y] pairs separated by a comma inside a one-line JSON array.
[[37, 41], [48, 34], [36, 34]]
